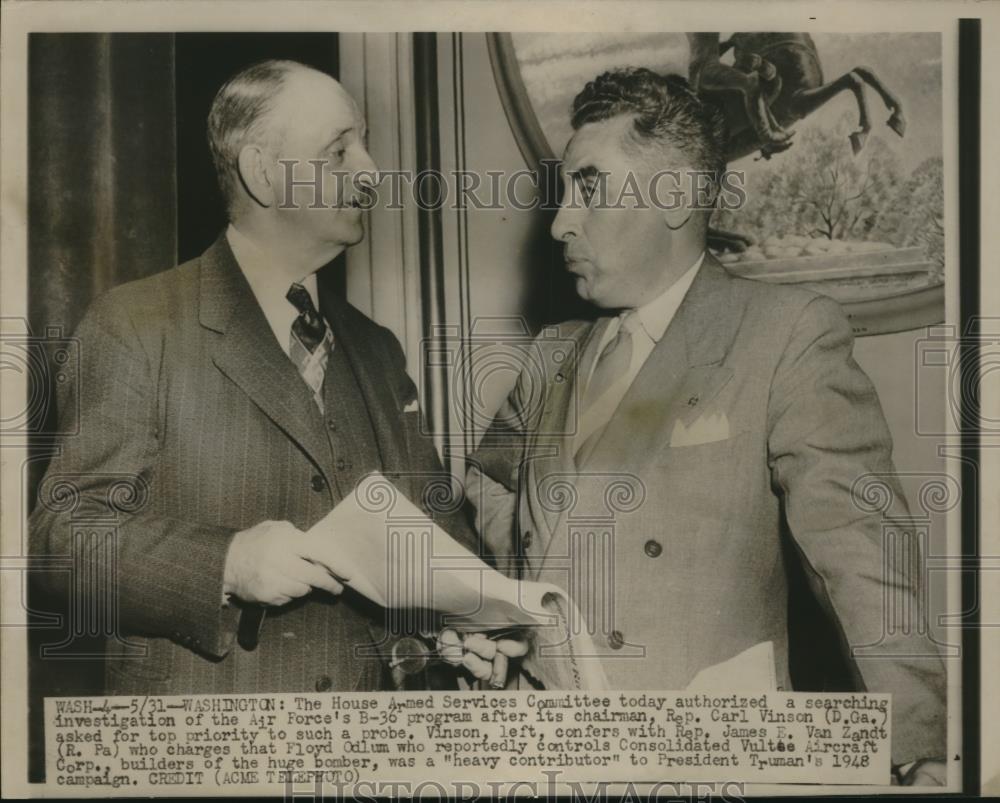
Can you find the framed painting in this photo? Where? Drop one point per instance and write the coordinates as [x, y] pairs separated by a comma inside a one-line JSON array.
[[838, 198]]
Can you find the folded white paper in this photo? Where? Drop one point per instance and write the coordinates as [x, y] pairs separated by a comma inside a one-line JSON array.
[[391, 552]]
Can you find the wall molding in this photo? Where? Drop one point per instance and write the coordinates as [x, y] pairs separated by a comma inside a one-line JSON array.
[[411, 273]]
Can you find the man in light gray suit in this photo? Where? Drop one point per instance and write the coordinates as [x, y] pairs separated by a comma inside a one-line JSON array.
[[241, 402], [735, 406]]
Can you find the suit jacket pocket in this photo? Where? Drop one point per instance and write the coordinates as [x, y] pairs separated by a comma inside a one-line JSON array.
[[703, 480], [712, 450]]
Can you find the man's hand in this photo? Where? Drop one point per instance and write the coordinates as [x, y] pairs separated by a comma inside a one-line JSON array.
[[269, 564], [485, 658]]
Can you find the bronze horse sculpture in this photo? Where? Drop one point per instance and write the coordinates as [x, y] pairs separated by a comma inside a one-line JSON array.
[[774, 81]]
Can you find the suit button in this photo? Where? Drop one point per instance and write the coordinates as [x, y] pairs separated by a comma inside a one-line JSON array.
[[318, 483], [526, 540], [331, 425], [341, 464], [653, 548], [323, 683], [616, 640]]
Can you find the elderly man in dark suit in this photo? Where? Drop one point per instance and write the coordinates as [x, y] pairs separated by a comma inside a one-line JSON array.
[[247, 403], [736, 408]]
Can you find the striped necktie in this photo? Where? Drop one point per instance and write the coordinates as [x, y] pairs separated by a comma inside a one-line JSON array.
[[310, 342]]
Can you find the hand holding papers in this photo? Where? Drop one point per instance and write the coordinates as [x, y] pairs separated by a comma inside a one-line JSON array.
[[397, 557], [269, 564]]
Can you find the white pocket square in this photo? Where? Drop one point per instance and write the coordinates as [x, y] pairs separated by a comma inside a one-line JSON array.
[[412, 407], [704, 429]]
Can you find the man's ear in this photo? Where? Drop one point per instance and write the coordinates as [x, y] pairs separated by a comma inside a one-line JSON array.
[[680, 206], [255, 176]]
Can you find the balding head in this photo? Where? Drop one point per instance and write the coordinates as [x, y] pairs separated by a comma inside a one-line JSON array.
[[289, 147], [252, 107]]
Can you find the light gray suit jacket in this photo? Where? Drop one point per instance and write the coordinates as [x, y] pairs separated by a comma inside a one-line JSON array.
[[748, 422]]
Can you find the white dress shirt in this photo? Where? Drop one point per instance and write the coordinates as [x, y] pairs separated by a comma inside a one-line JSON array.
[[653, 318], [269, 285]]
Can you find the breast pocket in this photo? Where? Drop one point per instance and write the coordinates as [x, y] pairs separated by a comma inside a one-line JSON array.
[[703, 481]]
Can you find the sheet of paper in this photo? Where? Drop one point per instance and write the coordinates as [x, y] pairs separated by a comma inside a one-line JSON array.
[[751, 670], [392, 553]]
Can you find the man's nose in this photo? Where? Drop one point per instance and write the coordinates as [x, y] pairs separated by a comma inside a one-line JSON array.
[[566, 224], [366, 170]]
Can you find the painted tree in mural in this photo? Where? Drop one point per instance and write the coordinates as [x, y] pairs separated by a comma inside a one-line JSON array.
[[820, 189], [840, 196], [916, 216]]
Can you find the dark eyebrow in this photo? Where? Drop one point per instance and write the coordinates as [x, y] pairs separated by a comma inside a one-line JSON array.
[[588, 171]]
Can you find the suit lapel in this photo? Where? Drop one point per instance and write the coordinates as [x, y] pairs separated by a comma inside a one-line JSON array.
[[682, 374], [248, 353], [551, 456], [372, 372]]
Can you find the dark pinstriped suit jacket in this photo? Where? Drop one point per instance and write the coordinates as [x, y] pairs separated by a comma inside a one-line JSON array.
[[182, 384]]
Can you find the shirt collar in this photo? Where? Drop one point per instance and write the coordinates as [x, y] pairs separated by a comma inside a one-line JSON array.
[[656, 315], [266, 282]]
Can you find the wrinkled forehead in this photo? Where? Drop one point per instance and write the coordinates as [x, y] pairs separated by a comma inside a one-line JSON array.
[[599, 144]]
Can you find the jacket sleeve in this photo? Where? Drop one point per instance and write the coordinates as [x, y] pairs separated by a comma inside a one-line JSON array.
[[826, 431], [166, 574], [493, 475]]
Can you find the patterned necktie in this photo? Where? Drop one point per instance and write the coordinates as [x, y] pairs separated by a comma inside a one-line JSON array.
[[611, 367], [309, 327], [311, 339]]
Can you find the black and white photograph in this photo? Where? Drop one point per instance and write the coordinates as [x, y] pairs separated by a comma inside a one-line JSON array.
[[498, 399]]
